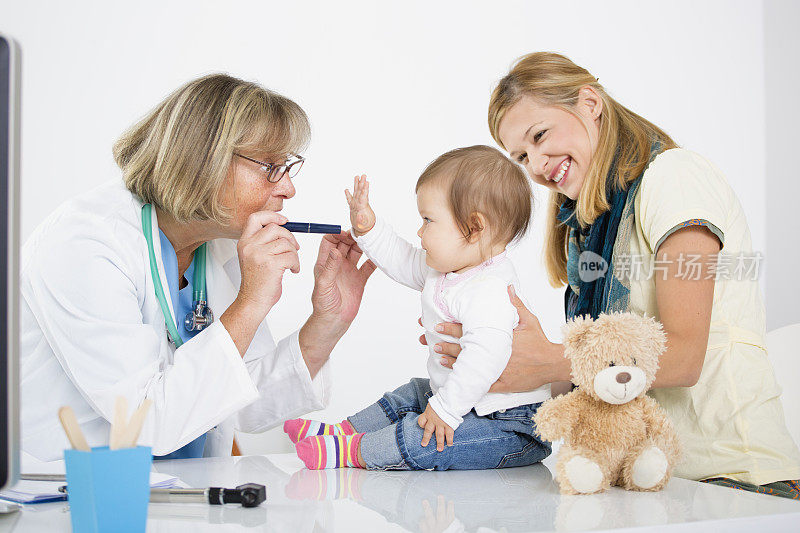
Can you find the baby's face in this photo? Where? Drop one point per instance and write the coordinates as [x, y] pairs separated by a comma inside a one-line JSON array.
[[447, 248]]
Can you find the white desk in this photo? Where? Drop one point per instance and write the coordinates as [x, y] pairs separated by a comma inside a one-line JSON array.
[[515, 499]]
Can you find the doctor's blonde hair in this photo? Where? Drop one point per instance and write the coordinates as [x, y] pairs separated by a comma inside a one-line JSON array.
[[177, 157], [554, 80]]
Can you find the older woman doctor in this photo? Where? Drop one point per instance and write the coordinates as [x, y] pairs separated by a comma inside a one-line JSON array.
[[110, 274]]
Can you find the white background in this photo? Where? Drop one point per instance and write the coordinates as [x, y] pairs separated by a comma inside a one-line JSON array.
[[388, 87]]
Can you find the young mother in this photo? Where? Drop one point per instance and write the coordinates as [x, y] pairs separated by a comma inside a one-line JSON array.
[[658, 215]]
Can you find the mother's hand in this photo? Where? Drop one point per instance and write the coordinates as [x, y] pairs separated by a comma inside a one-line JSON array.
[[535, 361]]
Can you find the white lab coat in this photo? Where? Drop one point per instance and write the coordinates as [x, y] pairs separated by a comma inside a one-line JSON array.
[[92, 329]]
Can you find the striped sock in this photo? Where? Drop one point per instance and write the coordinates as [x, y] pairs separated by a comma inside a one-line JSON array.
[[330, 451], [300, 428]]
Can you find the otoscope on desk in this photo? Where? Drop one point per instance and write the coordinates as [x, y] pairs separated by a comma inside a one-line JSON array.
[[249, 494]]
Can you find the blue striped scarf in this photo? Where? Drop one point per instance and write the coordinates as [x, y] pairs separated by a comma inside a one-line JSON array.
[[608, 237]]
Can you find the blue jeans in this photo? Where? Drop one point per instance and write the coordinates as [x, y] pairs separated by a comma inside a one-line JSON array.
[[392, 436]]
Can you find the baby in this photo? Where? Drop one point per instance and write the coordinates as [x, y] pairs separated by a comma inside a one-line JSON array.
[[473, 202]]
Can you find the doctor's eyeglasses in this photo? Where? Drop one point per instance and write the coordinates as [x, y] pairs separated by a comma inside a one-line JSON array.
[[276, 172]]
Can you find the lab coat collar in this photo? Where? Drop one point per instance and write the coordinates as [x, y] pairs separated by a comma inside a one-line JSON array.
[[159, 260]]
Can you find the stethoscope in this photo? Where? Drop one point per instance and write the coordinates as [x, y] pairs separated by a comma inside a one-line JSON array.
[[201, 316]]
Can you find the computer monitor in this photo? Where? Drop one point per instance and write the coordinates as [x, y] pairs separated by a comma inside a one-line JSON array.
[[10, 71]]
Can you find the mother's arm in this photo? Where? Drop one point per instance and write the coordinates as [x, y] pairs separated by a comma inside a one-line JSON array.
[[684, 307]]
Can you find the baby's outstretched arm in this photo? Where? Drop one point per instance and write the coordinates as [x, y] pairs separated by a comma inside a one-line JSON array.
[[362, 217], [397, 258]]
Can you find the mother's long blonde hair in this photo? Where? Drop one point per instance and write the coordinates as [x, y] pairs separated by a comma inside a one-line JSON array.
[[553, 80]]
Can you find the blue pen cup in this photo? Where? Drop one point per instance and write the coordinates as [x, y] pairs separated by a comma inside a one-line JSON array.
[[108, 490]]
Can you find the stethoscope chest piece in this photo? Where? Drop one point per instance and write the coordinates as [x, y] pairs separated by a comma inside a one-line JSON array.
[[200, 318]]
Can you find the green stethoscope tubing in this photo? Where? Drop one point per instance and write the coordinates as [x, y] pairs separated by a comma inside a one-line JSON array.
[[198, 280]]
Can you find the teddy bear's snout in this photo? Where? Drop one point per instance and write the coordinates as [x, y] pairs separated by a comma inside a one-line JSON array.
[[619, 384]]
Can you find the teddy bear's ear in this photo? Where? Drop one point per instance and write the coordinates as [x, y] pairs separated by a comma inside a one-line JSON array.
[[575, 332]]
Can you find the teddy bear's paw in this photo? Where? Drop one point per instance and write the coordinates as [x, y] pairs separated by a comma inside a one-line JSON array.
[[649, 468], [584, 475]]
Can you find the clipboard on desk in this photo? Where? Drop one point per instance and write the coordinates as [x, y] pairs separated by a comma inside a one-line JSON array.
[[33, 492], [30, 492]]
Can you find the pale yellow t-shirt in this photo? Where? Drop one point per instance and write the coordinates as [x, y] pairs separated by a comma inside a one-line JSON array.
[[731, 422]]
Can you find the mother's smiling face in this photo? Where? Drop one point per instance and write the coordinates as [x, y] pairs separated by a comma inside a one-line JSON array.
[[554, 145]]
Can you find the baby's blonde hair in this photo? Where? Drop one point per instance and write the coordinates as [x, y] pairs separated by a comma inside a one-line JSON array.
[[480, 179]]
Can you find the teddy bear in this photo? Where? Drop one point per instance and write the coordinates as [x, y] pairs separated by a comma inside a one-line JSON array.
[[614, 434]]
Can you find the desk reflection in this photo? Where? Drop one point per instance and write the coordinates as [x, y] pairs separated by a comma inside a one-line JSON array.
[[513, 499], [509, 500], [521, 499]]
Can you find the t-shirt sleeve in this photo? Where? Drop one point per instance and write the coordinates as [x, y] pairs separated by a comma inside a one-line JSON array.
[[693, 222], [680, 186]]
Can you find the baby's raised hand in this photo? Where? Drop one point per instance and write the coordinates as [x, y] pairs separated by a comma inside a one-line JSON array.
[[362, 217]]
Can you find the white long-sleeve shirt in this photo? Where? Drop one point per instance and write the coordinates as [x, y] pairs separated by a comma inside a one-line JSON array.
[[478, 299], [92, 329]]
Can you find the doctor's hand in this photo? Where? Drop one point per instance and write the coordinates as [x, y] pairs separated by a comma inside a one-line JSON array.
[[338, 288], [266, 251]]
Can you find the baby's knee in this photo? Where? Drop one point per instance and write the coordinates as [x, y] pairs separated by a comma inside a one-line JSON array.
[[408, 397], [421, 386], [413, 389]]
